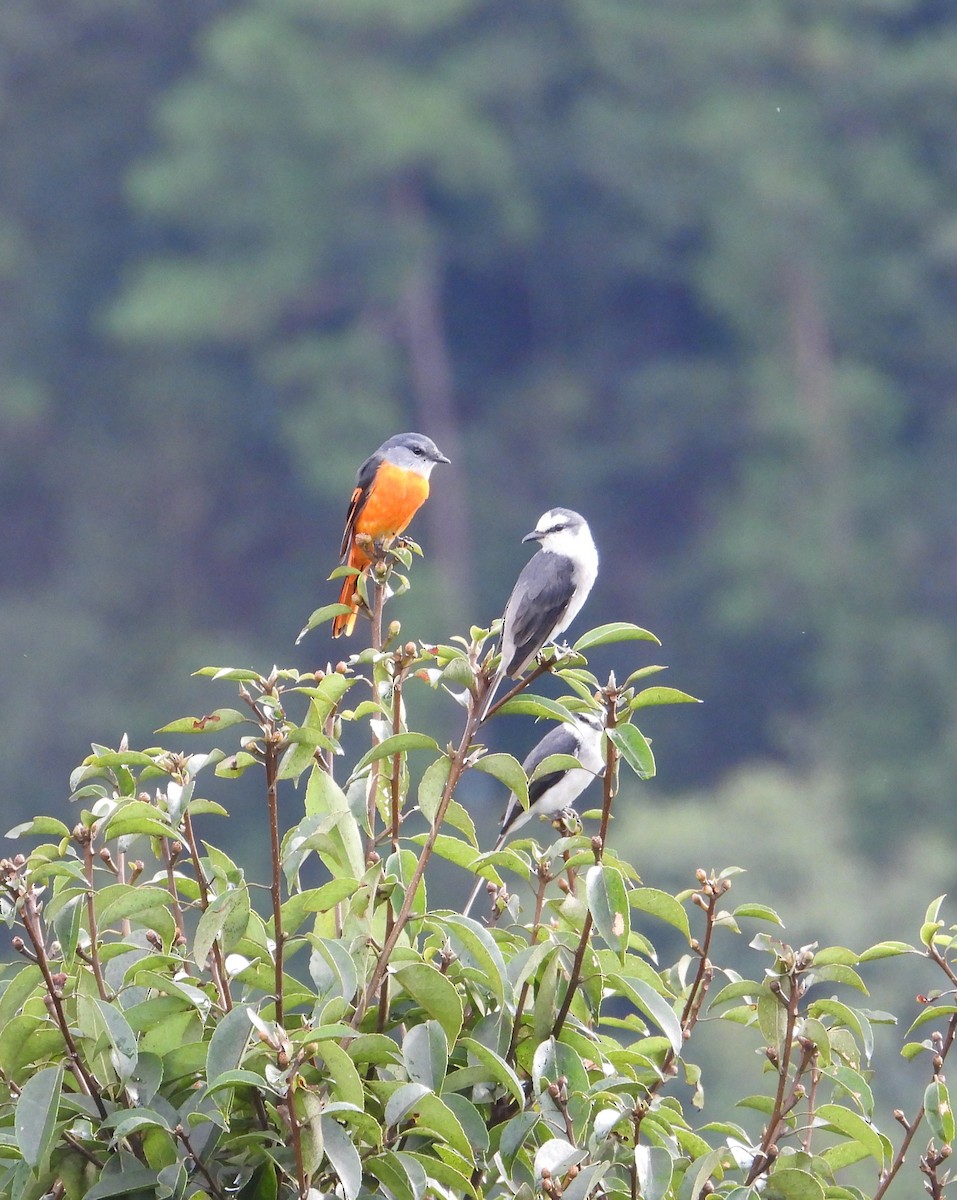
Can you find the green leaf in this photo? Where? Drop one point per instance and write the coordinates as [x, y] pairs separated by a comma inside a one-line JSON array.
[[617, 631], [940, 1115], [227, 1046], [498, 1070], [758, 912], [398, 743], [128, 1181], [737, 990], [39, 827], [933, 1012], [36, 1114], [654, 1006], [789, 1183], [608, 905], [855, 1127], [220, 718], [835, 954], [343, 1155], [655, 1167], [435, 993], [698, 1174], [850, 1018], [633, 747], [476, 946], [660, 904], [138, 817], [661, 695], [506, 770], [124, 1051], [226, 918], [539, 707], [319, 616], [432, 787], [392, 1173], [931, 925], [835, 973], [26, 981], [886, 950], [425, 1052]]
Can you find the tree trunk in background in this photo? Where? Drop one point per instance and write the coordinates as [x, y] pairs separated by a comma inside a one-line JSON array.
[[430, 370]]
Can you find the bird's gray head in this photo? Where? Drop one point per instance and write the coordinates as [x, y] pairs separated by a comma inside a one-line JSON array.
[[562, 531], [412, 452]]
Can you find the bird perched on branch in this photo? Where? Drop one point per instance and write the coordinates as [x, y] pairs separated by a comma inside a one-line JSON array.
[[548, 594], [391, 486], [557, 790]]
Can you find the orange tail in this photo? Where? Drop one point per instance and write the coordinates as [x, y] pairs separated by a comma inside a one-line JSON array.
[[346, 622]]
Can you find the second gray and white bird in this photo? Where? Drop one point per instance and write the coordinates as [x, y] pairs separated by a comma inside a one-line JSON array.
[[555, 791]]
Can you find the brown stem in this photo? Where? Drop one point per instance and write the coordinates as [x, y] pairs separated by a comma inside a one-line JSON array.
[[911, 1129], [456, 768], [762, 1159], [271, 748], [296, 1134], [91, 917], [218, 971], [31, 923], [610, 780], [544, 878], [171, 887], [573, 976], [540, 669], [378, 604], [200, 1165]]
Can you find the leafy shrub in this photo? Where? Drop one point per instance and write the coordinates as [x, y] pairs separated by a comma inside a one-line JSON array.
[[178, 1030]]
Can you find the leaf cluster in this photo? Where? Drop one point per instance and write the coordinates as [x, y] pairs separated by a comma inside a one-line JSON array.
[[177, 1029]]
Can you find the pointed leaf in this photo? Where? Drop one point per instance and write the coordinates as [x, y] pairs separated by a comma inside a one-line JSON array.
[[662, 695], [617, 631], [36, 1113], [608, 905], [398, 743], [633, 747], [436, 994], [220, 718], [506, 770]]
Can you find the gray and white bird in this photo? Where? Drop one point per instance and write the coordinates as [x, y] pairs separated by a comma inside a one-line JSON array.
[[548, 594], [555, 791]]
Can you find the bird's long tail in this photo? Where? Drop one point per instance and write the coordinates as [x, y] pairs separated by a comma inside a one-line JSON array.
[[346, 622], [490, 694]]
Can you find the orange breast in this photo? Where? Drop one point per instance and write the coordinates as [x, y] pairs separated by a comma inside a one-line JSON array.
[[394, 499]]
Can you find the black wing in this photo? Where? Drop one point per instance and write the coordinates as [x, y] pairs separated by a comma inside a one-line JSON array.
[[538, 601], [560, 740], [365, 478]]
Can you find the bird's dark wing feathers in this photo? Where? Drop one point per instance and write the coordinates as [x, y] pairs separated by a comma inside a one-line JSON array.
[[541, 595], [365, 477]]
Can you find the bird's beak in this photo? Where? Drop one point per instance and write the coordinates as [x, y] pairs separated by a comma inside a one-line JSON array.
[[440, 457], [535, 536]]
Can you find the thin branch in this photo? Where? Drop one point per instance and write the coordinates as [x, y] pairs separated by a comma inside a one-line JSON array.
[[183, 1136], [218, 972], [91, 917], [456, 768], [271, 747], [31, 923]]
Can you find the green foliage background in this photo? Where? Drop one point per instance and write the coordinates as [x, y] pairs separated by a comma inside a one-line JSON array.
[[686, 267]]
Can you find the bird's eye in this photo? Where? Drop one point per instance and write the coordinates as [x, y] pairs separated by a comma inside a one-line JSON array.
[[418, 450]]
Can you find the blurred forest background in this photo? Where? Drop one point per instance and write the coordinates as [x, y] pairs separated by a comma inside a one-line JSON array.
[[688, 267]]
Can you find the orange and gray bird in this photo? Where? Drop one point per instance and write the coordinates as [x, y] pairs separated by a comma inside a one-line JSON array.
[[557, 790], [391, 486], [548, 594]]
